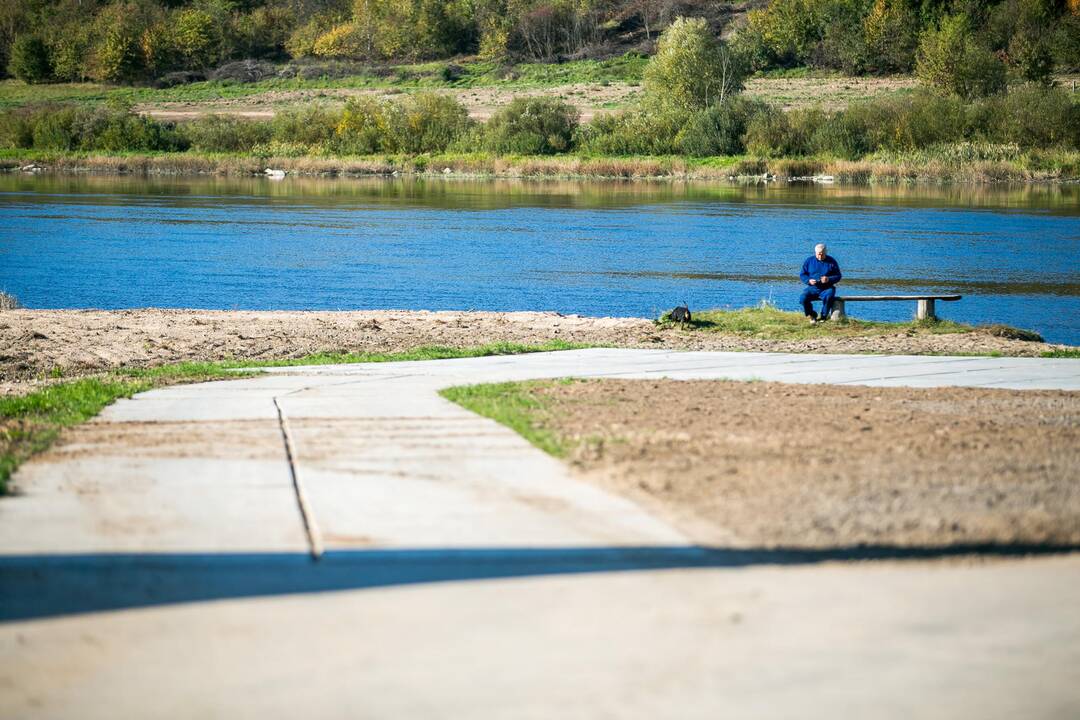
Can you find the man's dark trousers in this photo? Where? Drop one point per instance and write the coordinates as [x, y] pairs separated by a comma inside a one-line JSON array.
[[811, 293]]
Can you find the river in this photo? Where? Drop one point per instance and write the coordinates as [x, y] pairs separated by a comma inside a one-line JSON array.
[[593, 248]]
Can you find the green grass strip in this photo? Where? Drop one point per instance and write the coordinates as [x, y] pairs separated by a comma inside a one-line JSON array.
[[767, 322], [30, 424], [1062, 353], [513, 404]]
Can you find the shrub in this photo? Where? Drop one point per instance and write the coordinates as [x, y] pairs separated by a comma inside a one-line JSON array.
[[952, 60], [16, 130], [429, 122], [30, 60], [691, 68], [1030, 116], [309, 126], [365, 127], [635, 131], [54, 129], [719, 130], [532, 126], [768, 134], [222, 133]]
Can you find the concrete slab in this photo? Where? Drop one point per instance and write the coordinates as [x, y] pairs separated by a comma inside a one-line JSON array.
[[470, 575]]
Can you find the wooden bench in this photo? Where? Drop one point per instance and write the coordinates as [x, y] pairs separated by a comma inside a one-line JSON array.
[[924, 304]]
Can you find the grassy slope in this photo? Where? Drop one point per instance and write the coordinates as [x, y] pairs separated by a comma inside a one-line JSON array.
[[629, 69], [29, 424]]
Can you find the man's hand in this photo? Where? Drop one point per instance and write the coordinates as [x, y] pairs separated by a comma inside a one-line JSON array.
[[824, 279], [813, 282]]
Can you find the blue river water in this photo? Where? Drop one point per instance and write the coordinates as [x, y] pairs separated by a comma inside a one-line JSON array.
[[633, 249]]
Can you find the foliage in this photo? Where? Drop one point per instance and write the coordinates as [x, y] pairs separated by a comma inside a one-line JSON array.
[[890, 31], [720, 129], [430, 122], [224, 133], [532, 126], [30, 60], [365, 127], [952, 59], [635, 131], [692, 69]]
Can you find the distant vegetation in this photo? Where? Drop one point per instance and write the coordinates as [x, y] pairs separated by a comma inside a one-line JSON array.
[[977, 108], [961, 44]]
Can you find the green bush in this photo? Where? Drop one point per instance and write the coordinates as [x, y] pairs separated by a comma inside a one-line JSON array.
[[532, 126], [951, 59], [222, 133], [719, 130], [30, 60], [311, 126], [16, 129], [365, 127], [1030, 116], [429, 122], [692, 69], [66, 127], [54, 129], [634, 132]]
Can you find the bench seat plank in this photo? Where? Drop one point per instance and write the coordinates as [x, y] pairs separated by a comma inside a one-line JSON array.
[[865, 298]]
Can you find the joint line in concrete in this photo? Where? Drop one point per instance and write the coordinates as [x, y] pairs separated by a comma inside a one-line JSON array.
[[310, 527]]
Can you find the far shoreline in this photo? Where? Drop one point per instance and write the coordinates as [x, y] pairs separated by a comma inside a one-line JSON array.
[[734, 170]]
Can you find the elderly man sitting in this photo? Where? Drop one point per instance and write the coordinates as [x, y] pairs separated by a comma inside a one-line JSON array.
[[820, 274]]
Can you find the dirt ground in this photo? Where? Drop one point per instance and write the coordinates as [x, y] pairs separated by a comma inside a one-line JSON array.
[[590, 98], [38, 344], [481, 102], [768, 464]]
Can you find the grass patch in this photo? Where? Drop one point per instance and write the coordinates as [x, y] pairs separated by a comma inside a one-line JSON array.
[[770, 323], [627, 68], [30, 423], [517, 405], [1062, 353]]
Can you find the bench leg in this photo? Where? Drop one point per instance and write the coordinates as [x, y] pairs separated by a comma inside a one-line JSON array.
[[838, 312], [925, 310]]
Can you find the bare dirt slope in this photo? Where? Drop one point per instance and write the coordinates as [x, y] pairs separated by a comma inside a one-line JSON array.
[[590, 99], [767, 464], [37, 343]]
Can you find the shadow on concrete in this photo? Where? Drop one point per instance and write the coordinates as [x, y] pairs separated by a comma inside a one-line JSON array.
[[39, 586]]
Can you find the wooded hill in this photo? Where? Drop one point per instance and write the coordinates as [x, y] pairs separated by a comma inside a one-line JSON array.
[[123, 41]]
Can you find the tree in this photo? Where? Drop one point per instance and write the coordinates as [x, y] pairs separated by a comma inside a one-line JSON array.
[[952, 60], [30, 60], [891, 33], [692, 68]]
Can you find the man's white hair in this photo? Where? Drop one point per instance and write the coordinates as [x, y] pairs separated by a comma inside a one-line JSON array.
[[820, 246]]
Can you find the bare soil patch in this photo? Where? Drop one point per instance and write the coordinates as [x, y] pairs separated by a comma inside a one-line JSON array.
[[769, 464], [481, 102], [38, 346], [590, 99]]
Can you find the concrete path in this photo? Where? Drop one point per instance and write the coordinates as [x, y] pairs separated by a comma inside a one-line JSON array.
[[159, 565]]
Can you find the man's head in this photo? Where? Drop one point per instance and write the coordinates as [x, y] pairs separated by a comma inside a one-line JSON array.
[[819, 251]]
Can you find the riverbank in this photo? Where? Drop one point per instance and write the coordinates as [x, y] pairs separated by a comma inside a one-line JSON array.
[[924, 167], [39, 346]]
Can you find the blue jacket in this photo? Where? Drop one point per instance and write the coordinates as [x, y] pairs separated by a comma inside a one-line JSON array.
[[814, 269]]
